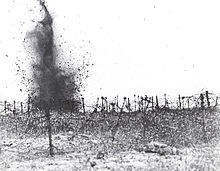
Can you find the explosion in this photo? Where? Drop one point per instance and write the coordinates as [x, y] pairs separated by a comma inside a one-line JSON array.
[[50, 82]]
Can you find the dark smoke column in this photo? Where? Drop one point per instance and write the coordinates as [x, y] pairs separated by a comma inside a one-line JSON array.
[[46, 75], [51, 83], [45, 72]]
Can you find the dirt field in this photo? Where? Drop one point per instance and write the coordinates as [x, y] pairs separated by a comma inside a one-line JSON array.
[[85, 152]]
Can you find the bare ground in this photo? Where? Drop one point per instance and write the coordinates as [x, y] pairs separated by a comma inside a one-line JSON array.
[[85, 152]]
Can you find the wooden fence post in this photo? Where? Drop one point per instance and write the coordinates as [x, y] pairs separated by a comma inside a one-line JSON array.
[[145, 103], [83, 105], [135, 103], [15, 118], [165, 99], [97, 105], [139, 105], [183, 102], [49, 129], [129, 106], [207, 98], [5, 107], [106, 103], [14, 109], [21, 108], [202, 100], [102, 98], [180, 105], [157, 103], [216, 101], [142, 104], [117, 103], [124, 104]]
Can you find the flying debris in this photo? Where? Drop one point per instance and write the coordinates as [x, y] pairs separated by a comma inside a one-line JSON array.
[[50, 82]]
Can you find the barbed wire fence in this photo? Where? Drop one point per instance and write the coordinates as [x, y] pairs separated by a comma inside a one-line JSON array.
[[164, 114], [144, 103], [136, 104]]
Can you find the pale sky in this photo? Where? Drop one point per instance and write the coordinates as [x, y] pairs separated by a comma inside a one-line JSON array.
[[146, 47]]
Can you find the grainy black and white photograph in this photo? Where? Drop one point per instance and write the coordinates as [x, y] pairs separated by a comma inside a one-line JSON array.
[[118, 85]]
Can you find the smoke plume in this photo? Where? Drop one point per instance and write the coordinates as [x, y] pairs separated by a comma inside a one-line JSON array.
[[51, 83]]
